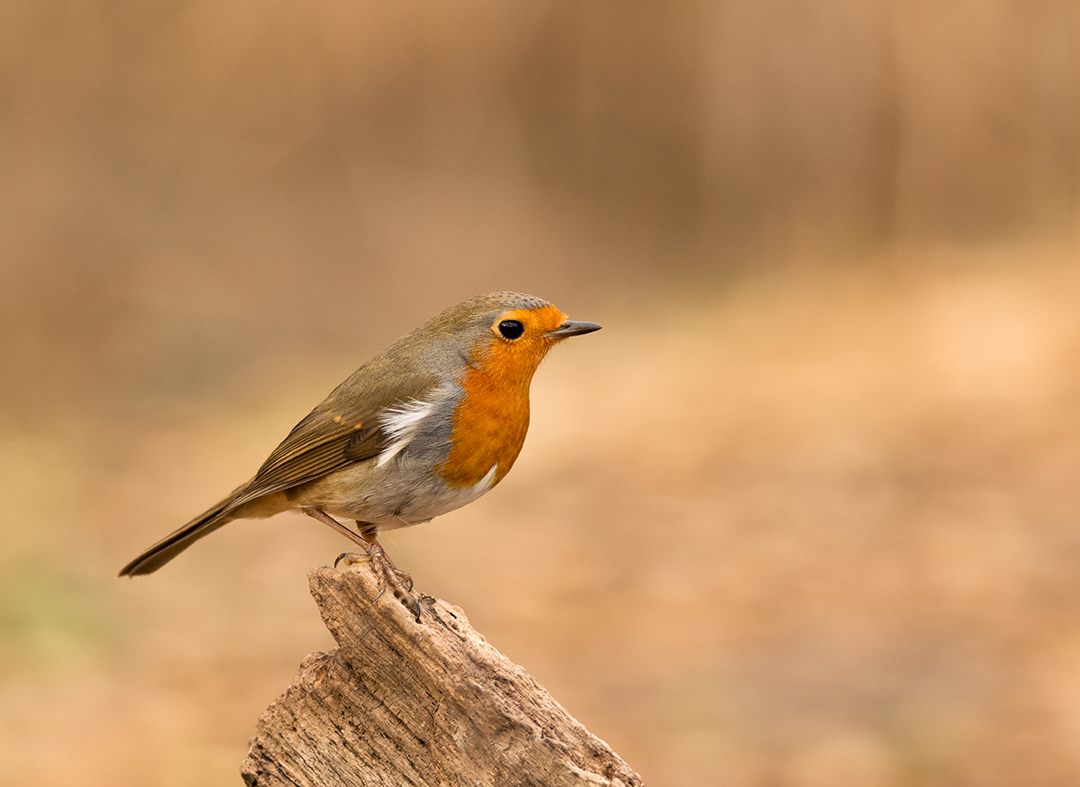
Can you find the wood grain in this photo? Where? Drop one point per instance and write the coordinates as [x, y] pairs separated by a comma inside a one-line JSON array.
[[407, 703]]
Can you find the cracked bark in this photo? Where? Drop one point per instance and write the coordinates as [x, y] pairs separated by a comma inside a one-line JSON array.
[[407, 703]]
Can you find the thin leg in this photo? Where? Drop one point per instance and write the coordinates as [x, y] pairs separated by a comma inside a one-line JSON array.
[[326, 519], [389, 574]]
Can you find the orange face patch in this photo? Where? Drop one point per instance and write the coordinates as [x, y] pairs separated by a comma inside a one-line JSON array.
[[492, 418]]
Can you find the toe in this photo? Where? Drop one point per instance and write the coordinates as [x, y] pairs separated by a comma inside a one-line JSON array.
[[351, 559]]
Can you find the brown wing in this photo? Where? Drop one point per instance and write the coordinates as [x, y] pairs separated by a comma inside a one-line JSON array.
[[329, 438], [317, 446]]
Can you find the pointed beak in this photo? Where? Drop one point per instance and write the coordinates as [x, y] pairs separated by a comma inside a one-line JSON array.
[[573, 329]]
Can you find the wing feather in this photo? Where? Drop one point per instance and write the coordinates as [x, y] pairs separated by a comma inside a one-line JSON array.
[[329, 438]]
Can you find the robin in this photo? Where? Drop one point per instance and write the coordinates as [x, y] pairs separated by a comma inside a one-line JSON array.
[[427, 426]]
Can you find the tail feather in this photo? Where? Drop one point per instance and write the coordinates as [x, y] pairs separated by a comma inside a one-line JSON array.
[[173, 544]]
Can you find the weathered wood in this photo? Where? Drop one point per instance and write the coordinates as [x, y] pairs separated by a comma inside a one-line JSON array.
[[407, 703]]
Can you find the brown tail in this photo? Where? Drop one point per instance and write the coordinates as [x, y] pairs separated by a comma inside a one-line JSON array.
[[173, 544]]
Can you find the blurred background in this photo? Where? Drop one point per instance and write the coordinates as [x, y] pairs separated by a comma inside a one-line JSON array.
[[804, 513]]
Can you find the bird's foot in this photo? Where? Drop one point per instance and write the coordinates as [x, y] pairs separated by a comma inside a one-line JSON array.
[[384, 567], [351, 559], [389, 575], [393, 577]]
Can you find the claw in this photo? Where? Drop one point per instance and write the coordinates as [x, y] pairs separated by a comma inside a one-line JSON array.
[[389, 574], [415, 606], [394, 578], [351, 559]]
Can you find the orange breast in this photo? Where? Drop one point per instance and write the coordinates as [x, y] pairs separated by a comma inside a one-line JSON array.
[[492, 418]]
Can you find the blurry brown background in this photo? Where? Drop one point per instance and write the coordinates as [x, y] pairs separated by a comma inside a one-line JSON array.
[[804, 513]]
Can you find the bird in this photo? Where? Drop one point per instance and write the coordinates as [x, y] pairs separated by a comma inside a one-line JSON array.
[[427, 426]]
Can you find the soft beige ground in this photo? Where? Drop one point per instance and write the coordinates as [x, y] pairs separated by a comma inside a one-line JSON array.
[[817, 527]]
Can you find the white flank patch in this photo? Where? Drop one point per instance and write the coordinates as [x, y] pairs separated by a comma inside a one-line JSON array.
[[484, 484], [402, 423], [454, 498]]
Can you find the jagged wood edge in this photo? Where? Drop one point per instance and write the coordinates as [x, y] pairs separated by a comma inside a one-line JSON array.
[[429, 703]]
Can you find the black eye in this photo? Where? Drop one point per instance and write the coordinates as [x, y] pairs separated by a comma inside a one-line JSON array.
[[511, 329]]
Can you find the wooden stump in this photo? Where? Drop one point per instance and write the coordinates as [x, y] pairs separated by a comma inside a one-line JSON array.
[[407, 703]]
